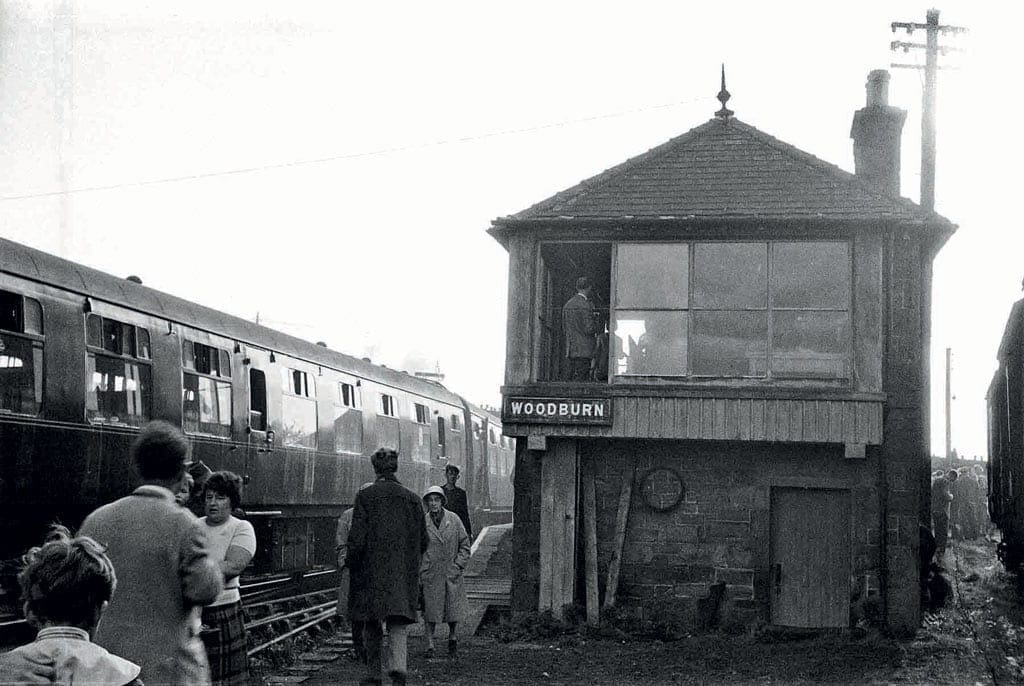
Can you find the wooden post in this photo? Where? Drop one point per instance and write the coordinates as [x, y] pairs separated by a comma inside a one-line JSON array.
[[620, 538], [590, 531]]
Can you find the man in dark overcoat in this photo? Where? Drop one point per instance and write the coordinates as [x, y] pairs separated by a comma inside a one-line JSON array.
[[580, 326], [385, 547], [455, 498]]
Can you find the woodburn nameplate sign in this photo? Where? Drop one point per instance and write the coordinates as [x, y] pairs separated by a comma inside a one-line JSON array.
[[558, 410]]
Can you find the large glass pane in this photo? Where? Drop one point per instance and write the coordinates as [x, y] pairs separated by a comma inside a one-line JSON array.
[[348, 430], [810, 344], [21, 375], [815, 275], [650, 343], [652, 275], [420, 443], [730, 275], [298, 421], [117, 391], [389, 434], [206, 406], [11, 310], [729, 343]]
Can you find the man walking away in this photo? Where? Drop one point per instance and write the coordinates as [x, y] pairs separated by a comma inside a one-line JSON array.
[[164, 569], [385, 546]]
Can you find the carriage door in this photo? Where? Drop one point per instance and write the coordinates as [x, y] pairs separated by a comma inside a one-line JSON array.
[[809, 577]]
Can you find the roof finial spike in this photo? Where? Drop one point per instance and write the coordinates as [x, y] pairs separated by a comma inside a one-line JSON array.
[[723, 97]]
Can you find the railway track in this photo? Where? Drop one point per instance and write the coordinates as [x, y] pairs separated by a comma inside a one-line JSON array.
[[274, 609]]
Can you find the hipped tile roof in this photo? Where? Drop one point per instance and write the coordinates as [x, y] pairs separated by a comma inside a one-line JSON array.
[[724, 169]]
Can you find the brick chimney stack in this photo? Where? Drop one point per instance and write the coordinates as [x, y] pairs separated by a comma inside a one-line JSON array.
[[876, 133]]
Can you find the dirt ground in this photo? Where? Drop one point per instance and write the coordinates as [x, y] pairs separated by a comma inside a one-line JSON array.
[[977, 639]]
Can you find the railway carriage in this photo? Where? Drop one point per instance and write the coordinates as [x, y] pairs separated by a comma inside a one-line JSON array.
[[1005, 405], [87, 358]]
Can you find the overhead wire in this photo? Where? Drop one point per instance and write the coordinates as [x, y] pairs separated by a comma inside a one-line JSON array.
[[344, 156]]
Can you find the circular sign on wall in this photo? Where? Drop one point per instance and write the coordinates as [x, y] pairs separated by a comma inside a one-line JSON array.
[[662, 489]]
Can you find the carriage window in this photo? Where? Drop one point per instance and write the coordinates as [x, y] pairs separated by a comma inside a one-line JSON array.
[[205, 398], [21, 356], [422, 413], [442, 439], [456, 423], [387, 405], [257, 400], [298, 412], [348, 396], [119, 389], [492, 436], [348, 421]]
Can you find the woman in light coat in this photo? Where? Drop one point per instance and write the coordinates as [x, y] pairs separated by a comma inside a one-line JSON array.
[[441, 570]]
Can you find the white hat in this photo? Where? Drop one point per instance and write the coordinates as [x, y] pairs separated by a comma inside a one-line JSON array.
[[436, 490]]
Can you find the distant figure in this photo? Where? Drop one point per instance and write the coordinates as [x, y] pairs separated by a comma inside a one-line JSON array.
[[65, 586], [385, 547], [441, 571], [455, 498], [344, 580], [163, 563], [232, 545], [965, 497], [942, 498], [580, 326]]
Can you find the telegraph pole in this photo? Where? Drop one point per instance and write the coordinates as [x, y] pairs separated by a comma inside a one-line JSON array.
[[932, 49], [949, 407]]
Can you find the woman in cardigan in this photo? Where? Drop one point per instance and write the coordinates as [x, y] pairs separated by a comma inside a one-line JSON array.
[[232, 543]]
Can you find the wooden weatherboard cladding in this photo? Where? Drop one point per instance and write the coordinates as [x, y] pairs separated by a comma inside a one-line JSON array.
[[557, 410], [723, 419]]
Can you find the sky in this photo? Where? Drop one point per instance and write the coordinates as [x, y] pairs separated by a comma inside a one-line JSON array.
[[332, 167]]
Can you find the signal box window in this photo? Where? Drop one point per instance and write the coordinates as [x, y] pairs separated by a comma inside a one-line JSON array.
[[205, 395], [298, 412], [348, 420], [118, 390], [755, 309], [257, 400], [21, 354]]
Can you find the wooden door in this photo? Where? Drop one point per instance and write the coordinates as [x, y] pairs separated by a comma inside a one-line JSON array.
[[558, 474], [809, 579]]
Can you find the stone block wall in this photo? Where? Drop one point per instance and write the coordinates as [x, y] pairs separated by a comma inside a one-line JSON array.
[[720, 532]]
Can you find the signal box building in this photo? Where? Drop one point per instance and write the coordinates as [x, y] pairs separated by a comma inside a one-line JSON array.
[[751, 434]]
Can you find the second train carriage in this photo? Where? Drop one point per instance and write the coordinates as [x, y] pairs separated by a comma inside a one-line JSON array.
[[87, 358], [1005, 405]]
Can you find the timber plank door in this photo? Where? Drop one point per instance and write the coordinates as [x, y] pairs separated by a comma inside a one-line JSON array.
[[559, 480], [809, 576]]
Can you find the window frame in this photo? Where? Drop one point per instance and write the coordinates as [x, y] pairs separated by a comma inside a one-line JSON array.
[[37, 342], [387, 402], [306, 393], [219, 359], [92, 350], [769, 309]]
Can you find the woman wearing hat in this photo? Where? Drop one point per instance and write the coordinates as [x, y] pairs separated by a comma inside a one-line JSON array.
[[442, 567]]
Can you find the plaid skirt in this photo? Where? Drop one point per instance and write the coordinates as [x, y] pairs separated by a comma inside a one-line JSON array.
[[224, 637]]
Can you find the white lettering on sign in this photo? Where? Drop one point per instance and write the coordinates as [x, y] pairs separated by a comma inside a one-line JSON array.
[[559, 410]]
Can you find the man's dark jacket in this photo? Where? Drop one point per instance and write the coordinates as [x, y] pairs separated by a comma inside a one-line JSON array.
[[455, 500], [385, 544]]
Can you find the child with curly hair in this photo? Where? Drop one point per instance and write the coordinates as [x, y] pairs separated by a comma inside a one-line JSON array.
[[66, 584]]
